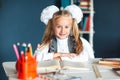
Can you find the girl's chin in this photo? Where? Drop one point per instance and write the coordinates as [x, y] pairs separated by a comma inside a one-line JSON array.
[[62, 37]]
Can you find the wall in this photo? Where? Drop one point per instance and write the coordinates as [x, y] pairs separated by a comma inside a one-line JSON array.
[[107, 26], [19, 22]]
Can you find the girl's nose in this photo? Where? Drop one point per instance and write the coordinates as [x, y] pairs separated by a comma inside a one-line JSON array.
[[62, 30]]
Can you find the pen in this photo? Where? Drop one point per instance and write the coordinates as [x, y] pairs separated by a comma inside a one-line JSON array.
[[116, 71], [16, 51], [23, 47], [30, 48], [19, 51]]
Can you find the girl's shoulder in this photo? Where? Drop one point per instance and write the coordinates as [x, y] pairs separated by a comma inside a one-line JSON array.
[[84, 41]]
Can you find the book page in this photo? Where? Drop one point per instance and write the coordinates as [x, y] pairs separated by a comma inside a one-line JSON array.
[[74, 65], [49, 64]]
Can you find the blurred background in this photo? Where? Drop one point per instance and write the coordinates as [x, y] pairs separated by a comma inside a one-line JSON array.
[[20, 22]]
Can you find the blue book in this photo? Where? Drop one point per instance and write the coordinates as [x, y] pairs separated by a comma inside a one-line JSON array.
[[84, 23]]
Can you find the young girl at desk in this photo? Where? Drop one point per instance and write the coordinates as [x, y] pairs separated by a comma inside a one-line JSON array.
[[61, 40]]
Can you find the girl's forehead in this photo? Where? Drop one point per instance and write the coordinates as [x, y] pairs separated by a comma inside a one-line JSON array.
[[64, 17], [63, 21]]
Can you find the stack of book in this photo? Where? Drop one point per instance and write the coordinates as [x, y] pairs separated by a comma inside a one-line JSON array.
[[110, 62], [85, 25], [85, 5]]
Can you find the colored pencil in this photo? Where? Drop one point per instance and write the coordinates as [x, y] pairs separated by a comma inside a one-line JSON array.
[[16, 51]]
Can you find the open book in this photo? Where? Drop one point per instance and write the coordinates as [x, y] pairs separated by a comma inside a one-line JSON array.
[[54, 65]]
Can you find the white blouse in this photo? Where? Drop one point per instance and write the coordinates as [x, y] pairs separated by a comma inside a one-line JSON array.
[[85, 55]]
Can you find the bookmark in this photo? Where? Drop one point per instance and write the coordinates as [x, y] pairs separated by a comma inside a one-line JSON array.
[[98, 75]]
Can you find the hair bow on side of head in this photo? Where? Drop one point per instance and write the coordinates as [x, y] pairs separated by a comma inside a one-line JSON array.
[[48, 12], [76, 12]]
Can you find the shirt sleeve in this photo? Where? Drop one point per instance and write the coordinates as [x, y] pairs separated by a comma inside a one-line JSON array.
[[85, 55], [88, 48], [42, 54]]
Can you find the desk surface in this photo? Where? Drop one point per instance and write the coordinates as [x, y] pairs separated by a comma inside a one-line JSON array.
[[105, 71]]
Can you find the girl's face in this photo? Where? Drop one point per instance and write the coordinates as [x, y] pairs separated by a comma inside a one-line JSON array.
[[62, 26]]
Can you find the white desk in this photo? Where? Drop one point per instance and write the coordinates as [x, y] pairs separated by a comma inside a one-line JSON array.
[[105, 71]]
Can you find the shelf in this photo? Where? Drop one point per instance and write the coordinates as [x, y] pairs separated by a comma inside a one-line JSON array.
[[87, 12], [87, 24], [85, 32]]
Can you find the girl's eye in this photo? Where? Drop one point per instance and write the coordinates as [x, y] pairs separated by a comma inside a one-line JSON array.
[[66, 27], [58, 26]]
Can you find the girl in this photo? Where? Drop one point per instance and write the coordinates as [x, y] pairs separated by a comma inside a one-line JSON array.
[[61, 40]]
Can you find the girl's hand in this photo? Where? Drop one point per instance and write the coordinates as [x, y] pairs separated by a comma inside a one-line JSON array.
[[70, 55], [57, 58]]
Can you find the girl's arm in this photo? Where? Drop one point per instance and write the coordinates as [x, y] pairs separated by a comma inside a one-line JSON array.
[[88, 48], [85, 55], [42, 54]]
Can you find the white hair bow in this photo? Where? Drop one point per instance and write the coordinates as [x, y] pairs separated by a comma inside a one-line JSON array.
[[48, 12]]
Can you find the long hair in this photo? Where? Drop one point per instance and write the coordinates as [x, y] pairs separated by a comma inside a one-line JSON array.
[[49, 33], [76, 34]]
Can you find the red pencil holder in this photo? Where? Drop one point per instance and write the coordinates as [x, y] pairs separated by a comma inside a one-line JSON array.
[[26, 69]]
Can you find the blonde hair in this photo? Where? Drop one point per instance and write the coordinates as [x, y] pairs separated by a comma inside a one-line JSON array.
[[49, 33]]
